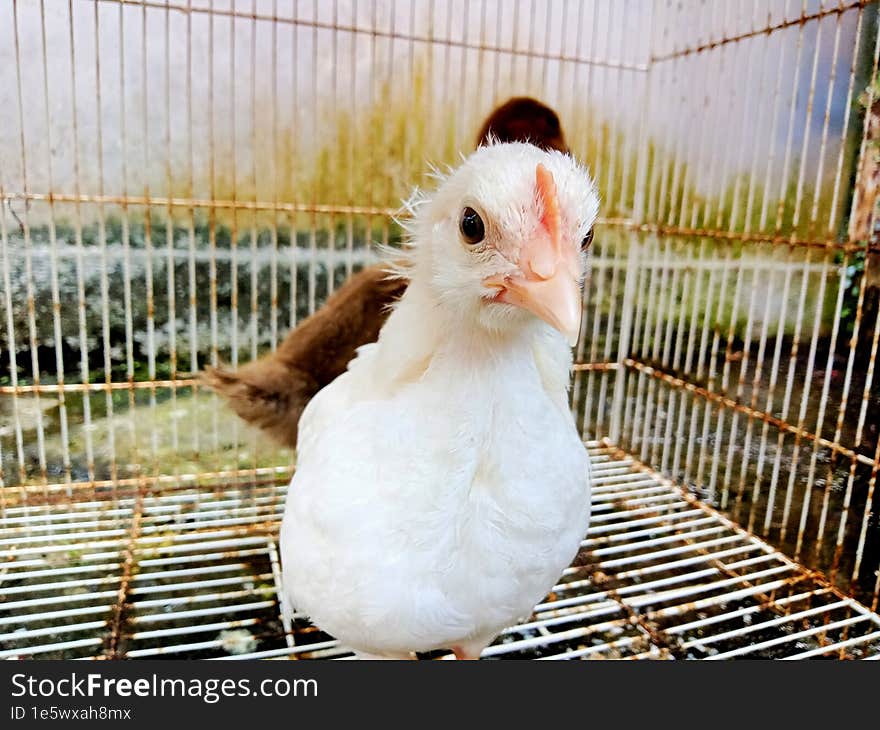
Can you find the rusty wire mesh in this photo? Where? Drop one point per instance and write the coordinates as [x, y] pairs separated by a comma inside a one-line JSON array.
[[183, 180]]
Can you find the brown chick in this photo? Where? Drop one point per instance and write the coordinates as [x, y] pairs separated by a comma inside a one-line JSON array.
[[272, 392], [523, 119]]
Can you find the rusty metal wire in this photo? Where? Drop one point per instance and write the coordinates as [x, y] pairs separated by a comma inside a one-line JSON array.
[[660, 575]]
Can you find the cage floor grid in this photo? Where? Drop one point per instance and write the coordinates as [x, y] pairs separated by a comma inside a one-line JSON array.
[[186, 572]]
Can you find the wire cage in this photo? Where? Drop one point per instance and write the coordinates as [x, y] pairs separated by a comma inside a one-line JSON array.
[[182, 181]]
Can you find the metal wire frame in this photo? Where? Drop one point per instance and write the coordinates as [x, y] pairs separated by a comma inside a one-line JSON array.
[[669, 384], [390, 34], [98, 203], [785, 22], [832, 243], [734, 386], [189, 573]]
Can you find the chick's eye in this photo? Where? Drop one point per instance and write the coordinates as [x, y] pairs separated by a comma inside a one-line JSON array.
[[588, 240], [471, 226]]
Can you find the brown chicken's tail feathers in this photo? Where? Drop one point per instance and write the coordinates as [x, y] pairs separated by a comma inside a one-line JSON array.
[[266, 394]]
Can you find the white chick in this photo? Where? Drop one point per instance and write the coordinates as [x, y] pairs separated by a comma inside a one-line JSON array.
[[441, 484]]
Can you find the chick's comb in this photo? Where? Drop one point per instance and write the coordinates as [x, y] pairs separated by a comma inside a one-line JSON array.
[[550, 201]]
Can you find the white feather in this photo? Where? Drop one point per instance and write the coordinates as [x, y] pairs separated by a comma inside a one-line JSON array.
[[441, 483]]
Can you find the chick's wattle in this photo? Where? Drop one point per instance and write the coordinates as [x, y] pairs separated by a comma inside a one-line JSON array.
[[441, 484]]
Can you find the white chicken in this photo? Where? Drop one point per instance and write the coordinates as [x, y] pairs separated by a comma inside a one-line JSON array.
[[441, 485]]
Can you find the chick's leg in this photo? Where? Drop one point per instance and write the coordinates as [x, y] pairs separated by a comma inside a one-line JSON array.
[[468, 651]]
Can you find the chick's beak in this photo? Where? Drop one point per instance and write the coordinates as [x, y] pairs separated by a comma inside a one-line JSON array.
[[556, 300], [546, 280]]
